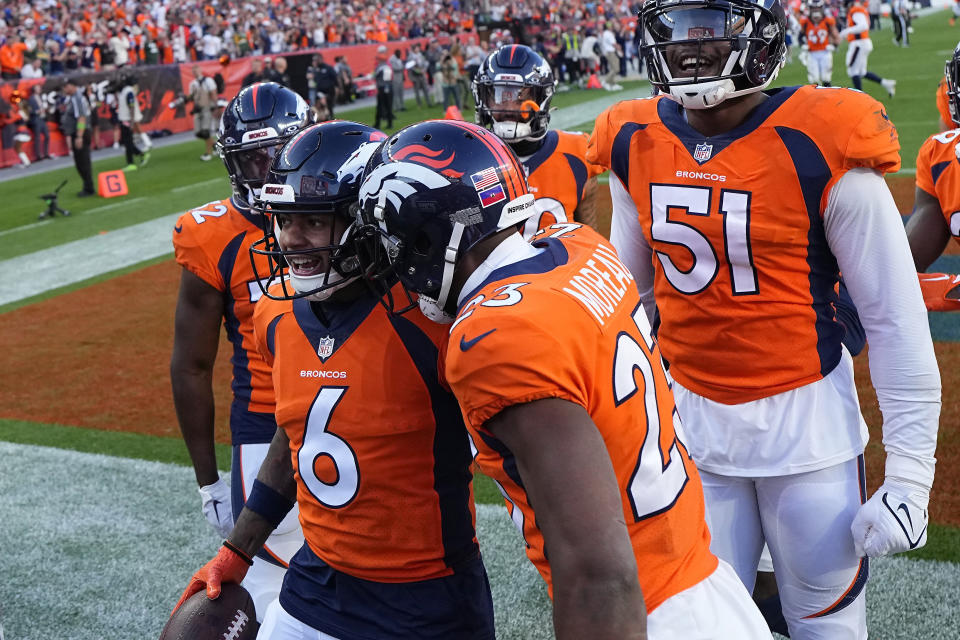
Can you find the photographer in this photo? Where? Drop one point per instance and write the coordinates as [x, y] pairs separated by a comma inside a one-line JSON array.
[[37, 122], [130, 117], [203, 94]]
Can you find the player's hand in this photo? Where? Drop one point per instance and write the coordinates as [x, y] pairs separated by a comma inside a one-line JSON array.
[[227, 566], [941, 291], [217, 507], [831, 48], [893, 520], [805, 47]]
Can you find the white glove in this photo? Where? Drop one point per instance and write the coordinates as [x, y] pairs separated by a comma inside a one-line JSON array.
[[894, 519], [217, 507], [831, 48], [805, 47]]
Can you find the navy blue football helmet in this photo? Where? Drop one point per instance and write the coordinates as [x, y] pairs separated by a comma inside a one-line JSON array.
[[430, 193], [254, 125], [702, 52], [316, 172], [512, 90], [952, 72]]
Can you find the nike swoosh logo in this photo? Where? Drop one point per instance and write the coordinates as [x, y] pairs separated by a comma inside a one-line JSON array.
[[903, 507], [468, 344], [215, 510], [178, 228], [938, 278]]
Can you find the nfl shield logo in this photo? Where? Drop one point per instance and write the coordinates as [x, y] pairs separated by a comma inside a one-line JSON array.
[[703, 152], [325, 348]]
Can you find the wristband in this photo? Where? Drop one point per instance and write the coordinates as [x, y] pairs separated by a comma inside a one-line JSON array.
[[239, 552], [268, 503]]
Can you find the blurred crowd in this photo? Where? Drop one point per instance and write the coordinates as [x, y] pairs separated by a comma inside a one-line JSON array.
[[45, 37]]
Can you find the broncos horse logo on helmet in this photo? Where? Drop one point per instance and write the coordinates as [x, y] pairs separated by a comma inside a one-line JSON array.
[[702, 52], [431, 193], [317, 172], [254, 125]]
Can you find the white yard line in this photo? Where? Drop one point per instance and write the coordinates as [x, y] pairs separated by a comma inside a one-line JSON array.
[[41, 271], [188, 187], [113, 205], [32, 225]]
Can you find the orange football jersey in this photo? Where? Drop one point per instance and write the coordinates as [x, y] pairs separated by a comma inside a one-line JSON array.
[[744, 278], [851, 12], [938, 173], [508, 347], [557, 175], [817, 34], [380, 453], [213, 242], [943, 102]]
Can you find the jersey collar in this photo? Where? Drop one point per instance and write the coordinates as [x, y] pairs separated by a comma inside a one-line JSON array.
[[540, 257], [671, 114]]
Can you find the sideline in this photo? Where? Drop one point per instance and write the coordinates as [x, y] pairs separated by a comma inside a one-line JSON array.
[[35, 273]]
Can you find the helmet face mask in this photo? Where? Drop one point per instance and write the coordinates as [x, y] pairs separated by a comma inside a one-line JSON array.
[[250, 165], [703, 52], [952, 73], [309, 198], [512, 91]]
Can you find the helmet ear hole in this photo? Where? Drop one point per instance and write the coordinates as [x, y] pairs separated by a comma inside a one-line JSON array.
[[422, 244]]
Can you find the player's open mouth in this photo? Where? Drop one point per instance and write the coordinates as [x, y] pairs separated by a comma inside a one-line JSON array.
[[305, 266], [691, 65]]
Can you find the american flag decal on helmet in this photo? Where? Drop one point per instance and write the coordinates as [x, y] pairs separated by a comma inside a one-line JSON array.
[[485, 179]]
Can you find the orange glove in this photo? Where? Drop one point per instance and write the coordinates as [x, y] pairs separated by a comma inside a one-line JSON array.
[[229, 565], [941, 291]]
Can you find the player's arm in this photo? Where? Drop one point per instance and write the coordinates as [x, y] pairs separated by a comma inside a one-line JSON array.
[[927, 230], [273, 496], [586, 212], [865, 233], [834, 35], [195, 341], [196, 338], [568, 476], [626, 236], [860, 25], [928, 235]]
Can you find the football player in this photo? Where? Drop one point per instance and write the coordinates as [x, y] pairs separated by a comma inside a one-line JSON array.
[[936, 210], [513, 89], [218, 287], [573, 419], [739, 243], [818, 32], [859, 47], [370, 445]]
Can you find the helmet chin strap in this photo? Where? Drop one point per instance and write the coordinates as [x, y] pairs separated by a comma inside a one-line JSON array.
[[327, 285], [435, 308], [331, 286], [251, 195], [702, 95], [509, 130]]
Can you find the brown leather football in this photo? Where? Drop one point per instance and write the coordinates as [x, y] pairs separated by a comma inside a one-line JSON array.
[[230, 617]]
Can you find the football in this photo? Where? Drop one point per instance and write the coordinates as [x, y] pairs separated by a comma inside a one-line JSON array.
[[229, 617]]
